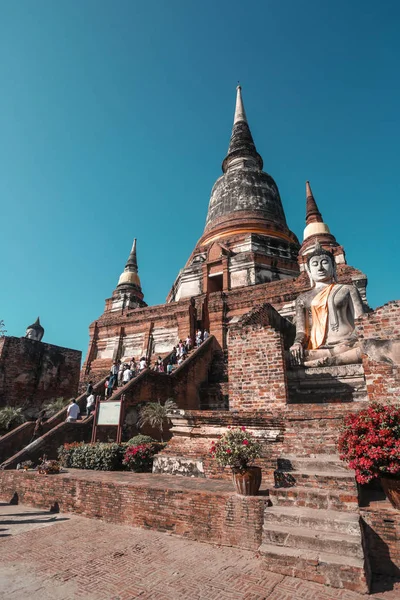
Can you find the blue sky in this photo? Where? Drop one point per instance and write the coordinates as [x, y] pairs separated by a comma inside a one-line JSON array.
[[115, 118]]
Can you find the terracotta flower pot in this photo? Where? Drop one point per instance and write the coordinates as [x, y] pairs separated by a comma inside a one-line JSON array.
[[391, 487], [247, 481]]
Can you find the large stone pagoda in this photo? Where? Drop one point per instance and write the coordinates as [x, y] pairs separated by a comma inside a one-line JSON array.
[[246, 239], [293, 348], [246, 256]]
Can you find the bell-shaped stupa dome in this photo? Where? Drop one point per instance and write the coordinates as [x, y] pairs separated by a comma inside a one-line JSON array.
[[244, 199]]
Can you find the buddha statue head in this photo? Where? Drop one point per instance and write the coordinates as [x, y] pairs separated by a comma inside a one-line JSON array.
[[321, 266], [35, 331]]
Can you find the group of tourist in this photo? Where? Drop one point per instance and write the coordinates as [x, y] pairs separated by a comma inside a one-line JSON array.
[[121, 373], [180, 352]]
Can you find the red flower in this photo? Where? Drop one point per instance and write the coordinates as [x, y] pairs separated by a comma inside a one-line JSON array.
[[370, 440], [243, 428], [245, 442]]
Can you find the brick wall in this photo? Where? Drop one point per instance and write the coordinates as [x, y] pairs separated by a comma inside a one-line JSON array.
[[382, 532], [142, 500], [379, 332], [32, 373], [256, 361]]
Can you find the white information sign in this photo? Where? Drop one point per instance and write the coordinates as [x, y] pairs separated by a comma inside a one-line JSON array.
[[109, 413]]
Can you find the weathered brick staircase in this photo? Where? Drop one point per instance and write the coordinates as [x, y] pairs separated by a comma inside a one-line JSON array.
[[312, 530], [15, 447]]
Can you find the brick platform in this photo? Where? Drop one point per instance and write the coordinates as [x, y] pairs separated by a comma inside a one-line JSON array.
[[60, 557], [200, 509]]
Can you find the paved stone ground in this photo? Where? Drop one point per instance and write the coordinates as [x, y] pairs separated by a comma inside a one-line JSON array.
[[63, 557]]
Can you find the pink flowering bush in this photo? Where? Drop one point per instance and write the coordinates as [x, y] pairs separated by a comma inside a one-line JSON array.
[[370, 442], [236, 448], [139, 458]]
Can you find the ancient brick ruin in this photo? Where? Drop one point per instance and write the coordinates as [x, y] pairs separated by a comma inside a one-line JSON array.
[[33, 373]]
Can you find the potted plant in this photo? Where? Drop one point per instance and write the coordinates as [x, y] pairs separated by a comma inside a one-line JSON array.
[[26, 465], [48, 467], [237, 448], [370, 444]]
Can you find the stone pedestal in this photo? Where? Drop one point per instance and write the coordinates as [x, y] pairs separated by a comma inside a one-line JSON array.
[[345, 383], [188, 452]]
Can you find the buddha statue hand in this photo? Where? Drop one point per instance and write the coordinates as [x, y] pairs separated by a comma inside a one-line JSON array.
[[296, 354]]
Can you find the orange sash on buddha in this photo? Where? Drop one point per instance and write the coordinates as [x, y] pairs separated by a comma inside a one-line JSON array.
[[319, 315]]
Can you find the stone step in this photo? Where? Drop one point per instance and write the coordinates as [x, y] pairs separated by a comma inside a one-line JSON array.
[[340, 543], [325, 395], [310, 497], [337, 480], [329, 428], [320, 520], [306, 442], [312, 411], [320, 462], [322, 567], [304, 448]]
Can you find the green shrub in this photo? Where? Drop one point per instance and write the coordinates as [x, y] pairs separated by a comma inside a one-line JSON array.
[[140, 439], [97, 457], [10, 417], [54, 406], [66, 452]]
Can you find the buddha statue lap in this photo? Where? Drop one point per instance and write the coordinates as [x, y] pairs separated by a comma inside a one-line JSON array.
[[325, 333]]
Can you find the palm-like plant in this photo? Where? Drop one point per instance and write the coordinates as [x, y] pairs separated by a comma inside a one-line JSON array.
[[156, 414], [10, 416], [54, 406]]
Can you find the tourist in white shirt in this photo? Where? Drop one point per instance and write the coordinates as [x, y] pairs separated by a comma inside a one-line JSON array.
[[72, 411], [90, 404], [142, 364], [121, 371], [127, 375]]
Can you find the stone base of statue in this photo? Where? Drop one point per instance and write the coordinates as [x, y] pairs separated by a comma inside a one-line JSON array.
[[342, 383]]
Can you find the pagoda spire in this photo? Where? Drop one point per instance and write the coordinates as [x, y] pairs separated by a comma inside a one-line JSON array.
[[314, 222], [240, 113], [242, 150], [317, 232], [130, 278], [132, 259], [312, 212]]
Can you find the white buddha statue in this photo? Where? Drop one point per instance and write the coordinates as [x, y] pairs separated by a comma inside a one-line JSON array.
[[325, 317], [35, 331]]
